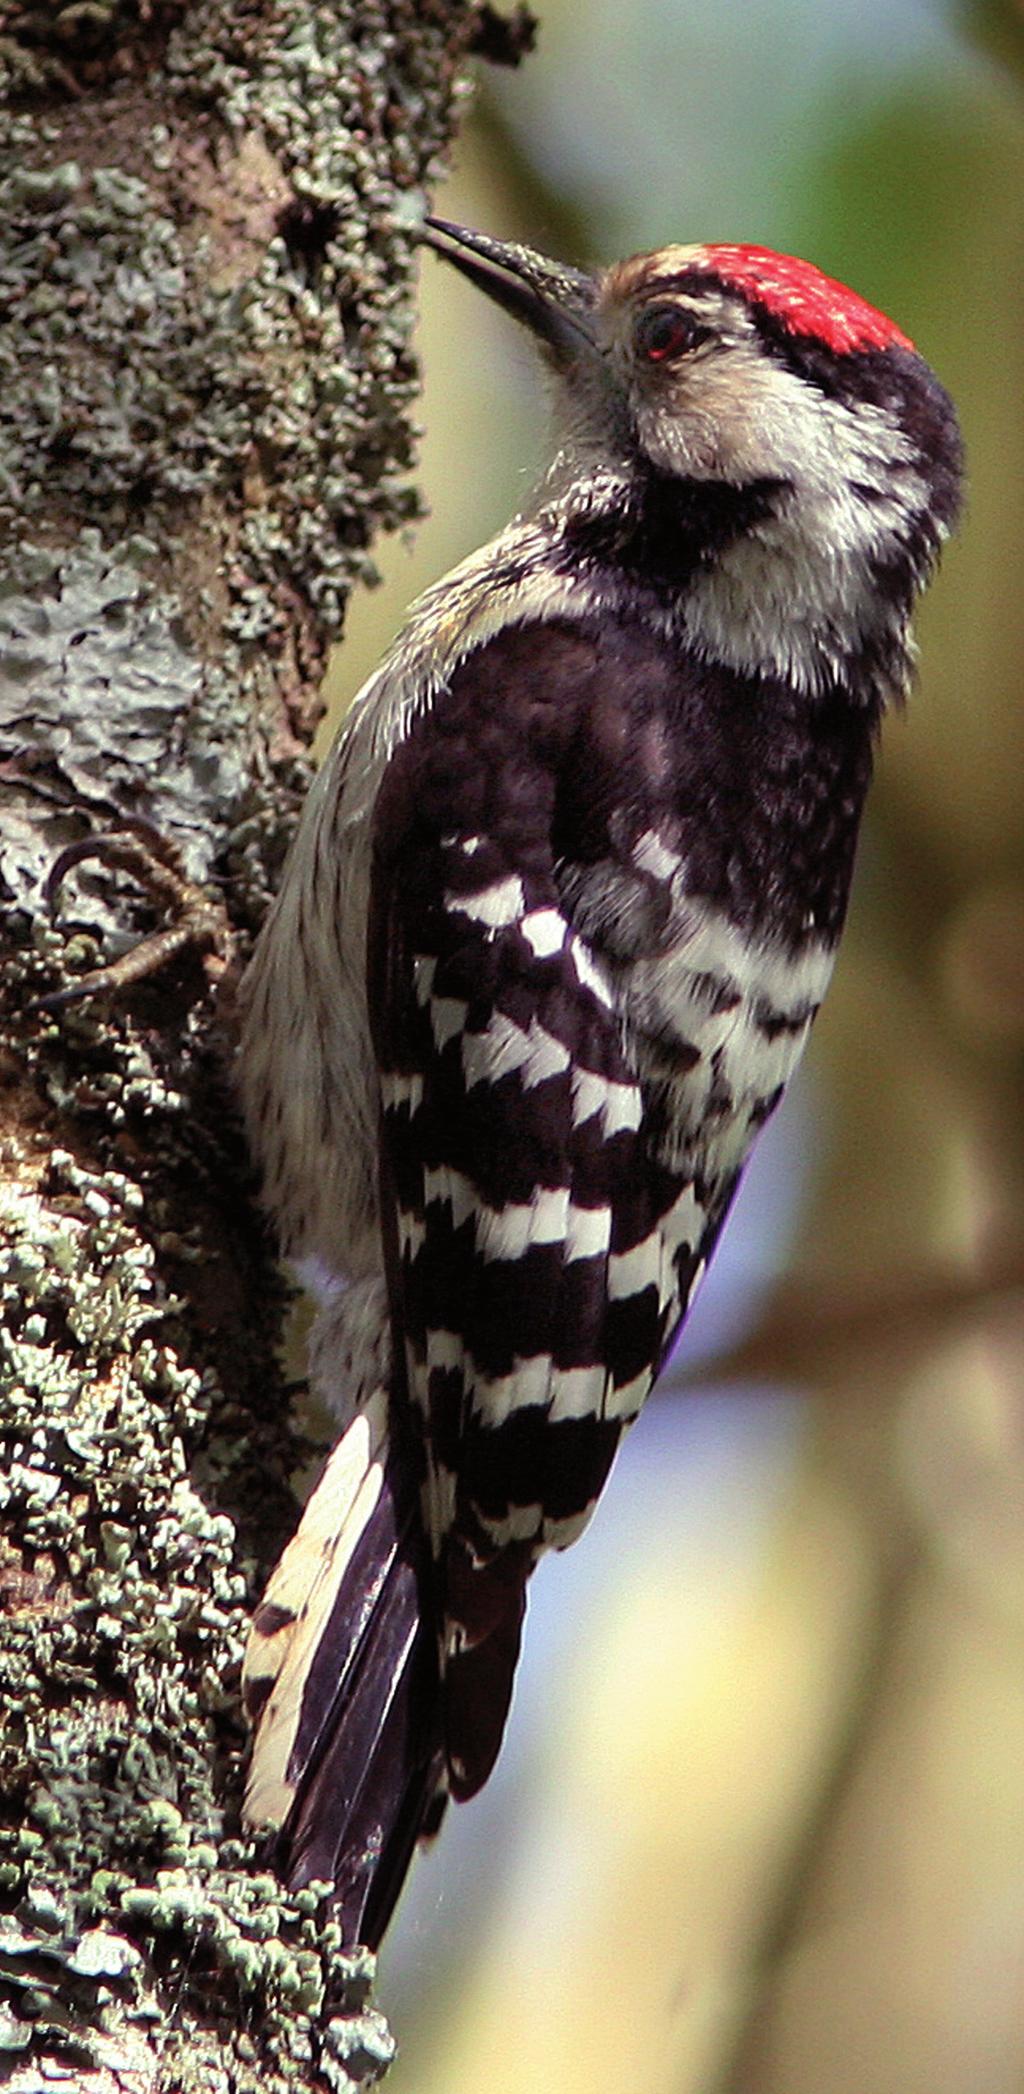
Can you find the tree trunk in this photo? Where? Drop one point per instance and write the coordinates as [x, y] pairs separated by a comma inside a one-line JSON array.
[[205, 379]]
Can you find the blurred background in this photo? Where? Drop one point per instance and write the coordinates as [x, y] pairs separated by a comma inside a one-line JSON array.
[[758, 1827]]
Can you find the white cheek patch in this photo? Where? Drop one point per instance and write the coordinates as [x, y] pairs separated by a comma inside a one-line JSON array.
[[796, 595]]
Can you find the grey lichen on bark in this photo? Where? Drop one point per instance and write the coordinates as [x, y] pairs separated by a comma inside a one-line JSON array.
[[206, 219]]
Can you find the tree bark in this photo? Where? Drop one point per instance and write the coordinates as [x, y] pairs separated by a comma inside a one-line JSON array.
[[205, 381]]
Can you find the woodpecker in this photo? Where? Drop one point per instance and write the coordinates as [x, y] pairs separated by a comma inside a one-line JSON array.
[[561, 909]]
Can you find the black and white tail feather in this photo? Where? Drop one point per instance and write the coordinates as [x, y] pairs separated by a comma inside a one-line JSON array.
[[561, 910]]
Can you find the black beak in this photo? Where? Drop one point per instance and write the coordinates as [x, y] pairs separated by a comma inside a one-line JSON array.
[[555, 302]]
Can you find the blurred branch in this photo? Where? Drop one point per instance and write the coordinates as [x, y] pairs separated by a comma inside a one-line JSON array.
[[808, 1329]]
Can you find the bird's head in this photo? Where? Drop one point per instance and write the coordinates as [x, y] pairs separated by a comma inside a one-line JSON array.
[[810, 455]]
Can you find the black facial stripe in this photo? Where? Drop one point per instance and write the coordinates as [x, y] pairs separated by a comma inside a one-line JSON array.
[[670, 527]]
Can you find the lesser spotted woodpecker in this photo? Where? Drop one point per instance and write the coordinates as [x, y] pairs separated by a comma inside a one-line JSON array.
[[561, 909]]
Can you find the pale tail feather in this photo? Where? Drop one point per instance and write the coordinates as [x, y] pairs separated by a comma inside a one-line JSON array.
[[340, 1680]]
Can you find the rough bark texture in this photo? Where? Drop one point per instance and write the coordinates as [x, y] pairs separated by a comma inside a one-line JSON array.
[[205, 268]]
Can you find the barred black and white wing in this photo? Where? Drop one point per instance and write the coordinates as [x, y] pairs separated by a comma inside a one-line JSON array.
[[579, 1023], [536, 1243]]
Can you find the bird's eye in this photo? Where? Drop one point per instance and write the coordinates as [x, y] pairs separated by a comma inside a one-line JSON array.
[[663, 332]]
